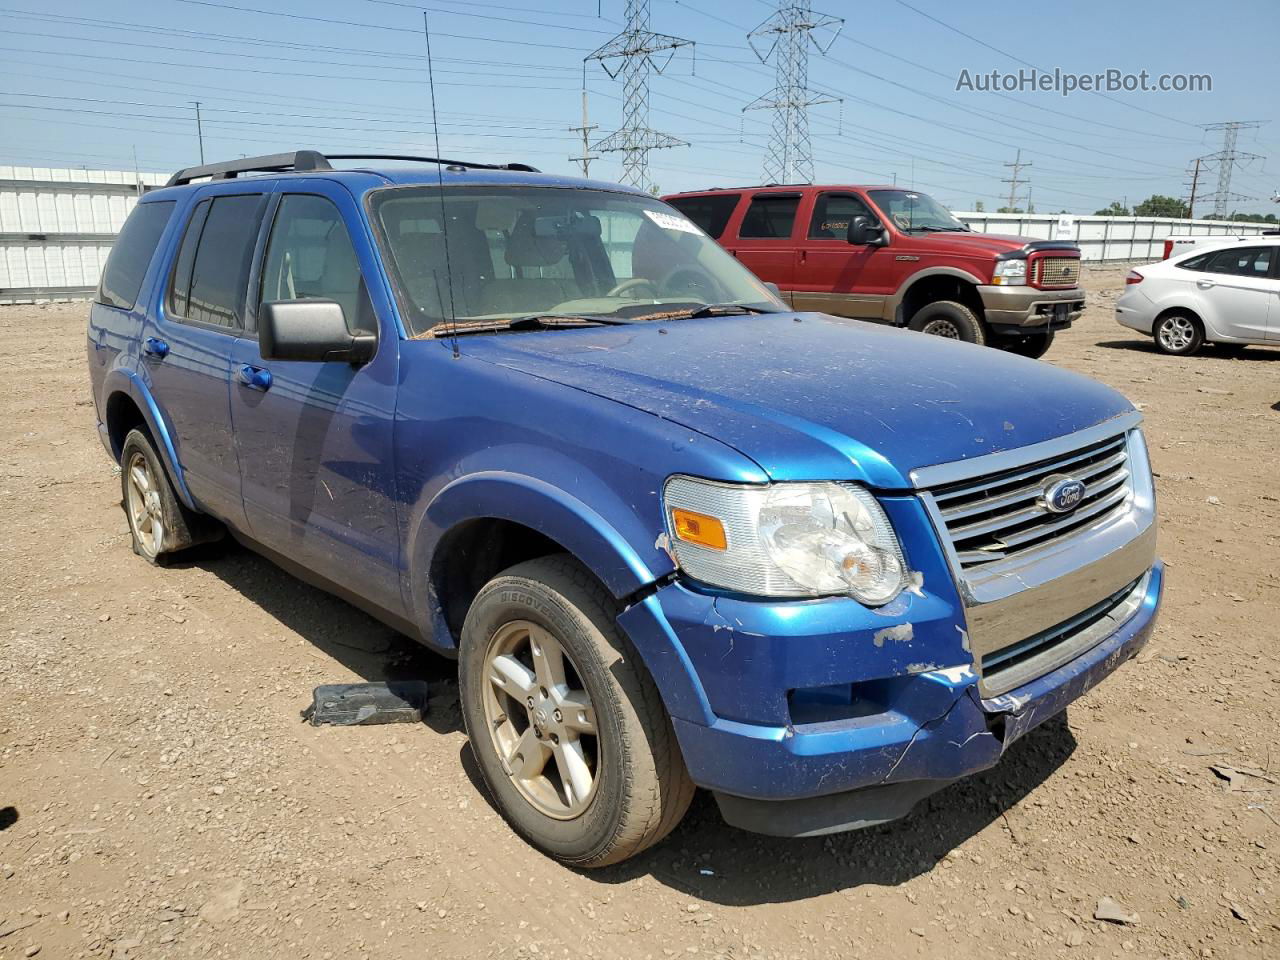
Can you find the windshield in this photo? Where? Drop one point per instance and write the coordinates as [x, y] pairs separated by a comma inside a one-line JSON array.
[[514, 252], [914, 211]]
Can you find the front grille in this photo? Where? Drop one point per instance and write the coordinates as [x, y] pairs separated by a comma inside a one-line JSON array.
[[1002, 515], [1055, 271], [1011, 666]]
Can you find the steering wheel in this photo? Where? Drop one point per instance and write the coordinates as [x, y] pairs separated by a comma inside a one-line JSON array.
[[634, 283], [685, 279]]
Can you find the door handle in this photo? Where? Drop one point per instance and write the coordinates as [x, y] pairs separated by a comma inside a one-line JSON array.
[[154, 347], [1204, 284], [255, 378], [804, 256]]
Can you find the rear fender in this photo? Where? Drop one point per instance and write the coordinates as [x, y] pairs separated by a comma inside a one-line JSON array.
[[122, 380]]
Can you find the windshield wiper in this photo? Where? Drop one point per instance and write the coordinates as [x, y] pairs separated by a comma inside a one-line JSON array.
[[706, 310], [533, 321], [929, 228]]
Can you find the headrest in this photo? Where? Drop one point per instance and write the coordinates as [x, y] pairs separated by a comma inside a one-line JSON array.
[[526, 249], [495, 216]]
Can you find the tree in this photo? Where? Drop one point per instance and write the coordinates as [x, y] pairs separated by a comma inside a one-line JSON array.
[[979, 206], [1115, 210], [1161, 206], [1010, 210]]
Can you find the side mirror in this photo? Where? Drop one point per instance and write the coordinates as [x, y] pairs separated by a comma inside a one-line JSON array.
[[314, 330], [864, 232]]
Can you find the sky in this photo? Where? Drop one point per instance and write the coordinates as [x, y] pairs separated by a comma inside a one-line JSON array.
[[92, 83]]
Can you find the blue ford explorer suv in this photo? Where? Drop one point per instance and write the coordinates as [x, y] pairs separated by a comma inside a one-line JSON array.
[[675, 534]]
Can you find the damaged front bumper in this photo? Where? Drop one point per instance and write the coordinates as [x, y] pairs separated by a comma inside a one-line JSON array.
[[815, 717]]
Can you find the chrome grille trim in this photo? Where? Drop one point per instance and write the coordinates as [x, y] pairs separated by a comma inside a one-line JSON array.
[[997, 515], [1055, 271]]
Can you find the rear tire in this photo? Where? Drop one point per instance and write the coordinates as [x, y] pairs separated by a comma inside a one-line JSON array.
[[947, 318], [597, 716], [158, 522], [1178, 334], [1034, 346]]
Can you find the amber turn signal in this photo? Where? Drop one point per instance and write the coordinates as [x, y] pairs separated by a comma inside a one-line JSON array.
[[698, 528]]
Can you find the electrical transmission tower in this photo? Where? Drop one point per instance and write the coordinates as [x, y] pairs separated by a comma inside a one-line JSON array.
[[633, 53], [788, 34], [1228, 158], [1013, 181]]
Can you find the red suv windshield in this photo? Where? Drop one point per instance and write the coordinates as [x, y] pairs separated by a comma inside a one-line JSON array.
[[911, 211]]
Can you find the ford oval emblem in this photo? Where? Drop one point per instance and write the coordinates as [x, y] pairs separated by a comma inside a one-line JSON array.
[[1062, 494]]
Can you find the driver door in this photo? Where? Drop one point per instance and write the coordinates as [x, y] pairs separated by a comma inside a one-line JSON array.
[[833, 275]]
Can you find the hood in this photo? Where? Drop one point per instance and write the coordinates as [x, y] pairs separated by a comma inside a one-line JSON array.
[[983, 243], [813, 397]]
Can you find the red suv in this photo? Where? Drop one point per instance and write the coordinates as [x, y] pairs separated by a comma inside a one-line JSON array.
[[897, 256]]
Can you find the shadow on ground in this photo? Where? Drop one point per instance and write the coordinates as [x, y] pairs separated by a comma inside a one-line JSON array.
[[1212, 351], [334, 627], [704, 858]]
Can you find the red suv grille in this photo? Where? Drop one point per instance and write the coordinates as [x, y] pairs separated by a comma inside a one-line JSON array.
[[1055, 272]]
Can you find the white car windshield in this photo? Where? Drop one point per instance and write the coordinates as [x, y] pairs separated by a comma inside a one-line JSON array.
[[519, 252]]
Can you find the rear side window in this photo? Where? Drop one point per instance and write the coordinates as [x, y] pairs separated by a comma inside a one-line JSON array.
[[1195, 263], [832, 213], [132, 252], [1241, 262], [710, 213], [212, 270], [770, 215]]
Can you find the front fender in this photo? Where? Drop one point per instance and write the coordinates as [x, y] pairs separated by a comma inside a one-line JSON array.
[[128, 382], [550, 510]]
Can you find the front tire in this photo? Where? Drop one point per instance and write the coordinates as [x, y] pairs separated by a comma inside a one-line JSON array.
[[567, 726], [947, 318], [1178, 334]]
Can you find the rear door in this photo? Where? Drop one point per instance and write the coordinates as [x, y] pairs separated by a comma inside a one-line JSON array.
[[1236, 290], [314, 439], [832, 275], [763, 240], [188, 345]]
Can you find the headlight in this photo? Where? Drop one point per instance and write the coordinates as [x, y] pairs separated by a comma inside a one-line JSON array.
[[785, 539], [1010, 272]]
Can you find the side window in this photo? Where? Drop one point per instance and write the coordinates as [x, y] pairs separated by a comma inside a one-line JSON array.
[[212, 271], [832, 213], [1241, 261], [310, 256], [770, 215], [1195, 263], [132, 252], [710, 213]]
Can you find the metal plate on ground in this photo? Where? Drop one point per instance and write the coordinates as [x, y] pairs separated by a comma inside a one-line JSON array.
[[363, 704]]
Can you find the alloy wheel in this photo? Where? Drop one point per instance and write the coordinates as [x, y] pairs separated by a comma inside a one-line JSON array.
[[541, 720], [1177, 333], [942, 328], [146, 510]]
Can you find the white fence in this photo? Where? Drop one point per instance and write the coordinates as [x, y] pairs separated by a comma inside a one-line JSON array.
[[57, 226], [1108, 238]]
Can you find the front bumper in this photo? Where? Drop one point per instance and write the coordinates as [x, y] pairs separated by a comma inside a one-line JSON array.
[[1026, 309], [910, 728]]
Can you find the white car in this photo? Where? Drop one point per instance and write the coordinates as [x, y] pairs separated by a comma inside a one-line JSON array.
[[1227, 294]]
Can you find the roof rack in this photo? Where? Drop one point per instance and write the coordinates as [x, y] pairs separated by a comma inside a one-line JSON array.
[[306, 161]]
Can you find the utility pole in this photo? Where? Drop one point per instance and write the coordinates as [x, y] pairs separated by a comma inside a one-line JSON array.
[[199, 130], [1195, 184], [633, 54], [789, 34], [1228, 158], [1018, 166], [585, 130]]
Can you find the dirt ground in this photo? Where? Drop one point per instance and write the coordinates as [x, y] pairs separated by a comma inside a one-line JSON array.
[[159, 796]]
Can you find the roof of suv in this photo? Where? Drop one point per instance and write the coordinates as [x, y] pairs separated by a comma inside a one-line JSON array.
[[791, 187]]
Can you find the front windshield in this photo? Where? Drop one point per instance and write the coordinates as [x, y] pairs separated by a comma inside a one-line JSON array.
[[520, 251], [911, 211]]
